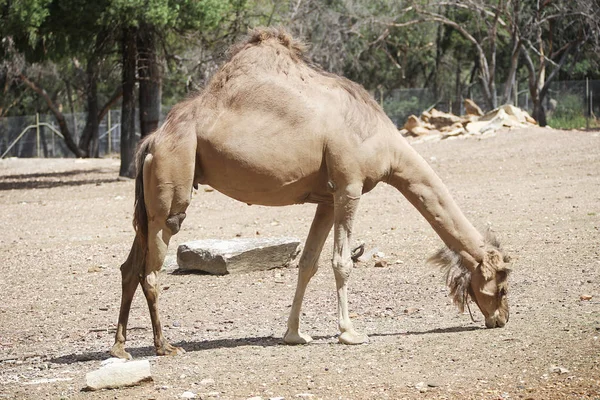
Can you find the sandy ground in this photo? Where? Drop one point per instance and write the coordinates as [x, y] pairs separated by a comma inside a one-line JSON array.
[[66, 228]]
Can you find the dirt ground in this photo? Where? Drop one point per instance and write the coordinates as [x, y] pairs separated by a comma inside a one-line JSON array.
[[66, 228]]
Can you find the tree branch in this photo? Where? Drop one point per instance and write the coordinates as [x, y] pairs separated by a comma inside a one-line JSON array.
[[60, 118]]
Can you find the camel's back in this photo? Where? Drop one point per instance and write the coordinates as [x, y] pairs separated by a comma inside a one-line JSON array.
[[273, 115]]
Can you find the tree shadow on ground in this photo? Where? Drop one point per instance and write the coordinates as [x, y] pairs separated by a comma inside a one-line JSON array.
[[55, 179]]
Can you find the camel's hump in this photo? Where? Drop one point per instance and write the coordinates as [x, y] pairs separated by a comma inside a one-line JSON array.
[[259, 35]]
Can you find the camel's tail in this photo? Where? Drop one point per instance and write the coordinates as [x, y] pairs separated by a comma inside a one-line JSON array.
[[140, 218]]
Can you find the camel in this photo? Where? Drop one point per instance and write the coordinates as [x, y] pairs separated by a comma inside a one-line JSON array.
[[272, 128]]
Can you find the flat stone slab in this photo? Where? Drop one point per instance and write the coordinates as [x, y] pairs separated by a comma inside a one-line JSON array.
[[221, 257]]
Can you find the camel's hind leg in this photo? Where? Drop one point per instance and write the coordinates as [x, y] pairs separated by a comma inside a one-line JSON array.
[[346, 201], [168, 187], [130, 271], [307, 267]]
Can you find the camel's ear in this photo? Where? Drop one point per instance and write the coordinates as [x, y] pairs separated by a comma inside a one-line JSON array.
[[489, 265]]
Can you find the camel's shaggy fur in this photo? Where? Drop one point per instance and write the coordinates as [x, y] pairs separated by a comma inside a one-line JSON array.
[[458, 276]]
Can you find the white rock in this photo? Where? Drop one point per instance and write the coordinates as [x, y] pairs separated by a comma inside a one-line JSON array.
[[112, 360], [222, 257], [421, 387], [116, 375], [188, 395], [558, 370]]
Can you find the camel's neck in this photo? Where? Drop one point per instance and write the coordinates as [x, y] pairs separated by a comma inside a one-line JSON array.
[[417, 181]]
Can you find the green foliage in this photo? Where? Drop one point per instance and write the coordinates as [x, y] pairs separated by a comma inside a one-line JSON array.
[[404, 103], [570, 114]]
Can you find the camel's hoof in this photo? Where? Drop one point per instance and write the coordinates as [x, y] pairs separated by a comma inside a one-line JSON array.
[[296, 338], [169, 350], [118, 350], [353, 337]]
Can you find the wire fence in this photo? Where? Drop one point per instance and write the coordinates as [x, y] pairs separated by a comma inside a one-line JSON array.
[[569, 104]]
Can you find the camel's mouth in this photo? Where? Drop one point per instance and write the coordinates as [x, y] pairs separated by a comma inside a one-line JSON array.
[[496, 321]]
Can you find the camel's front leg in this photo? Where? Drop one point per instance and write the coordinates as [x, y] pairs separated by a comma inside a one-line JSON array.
[[307, 267], [346, 204]]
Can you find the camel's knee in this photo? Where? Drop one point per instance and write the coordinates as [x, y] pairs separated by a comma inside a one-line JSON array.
[[149, 284], [174, 222], [342, 268], [135, 261], [309, 262]]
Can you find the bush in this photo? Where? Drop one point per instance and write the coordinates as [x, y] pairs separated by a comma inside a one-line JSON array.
[[570, 114]]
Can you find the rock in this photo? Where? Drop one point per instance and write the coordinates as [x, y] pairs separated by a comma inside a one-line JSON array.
[[207, 382], [479, 127], [471, 108], [515, 112], [425, 115], [455, 132], [368, 255], [530, 119], [381, 264], [558, 370], [450, 128], [585, 297], [412, 122], [420, 131], [411, 310], [255, 398], [188, 395], [421, 387], [440, 119], [415, 127], [112, 360], [220, 257], [115, 375]]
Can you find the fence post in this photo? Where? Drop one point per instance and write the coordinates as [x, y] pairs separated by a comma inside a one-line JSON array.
[[37, 133], [587, 103], [109, 134]]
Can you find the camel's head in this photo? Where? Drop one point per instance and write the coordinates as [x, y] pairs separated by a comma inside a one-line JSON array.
[[487, 285]]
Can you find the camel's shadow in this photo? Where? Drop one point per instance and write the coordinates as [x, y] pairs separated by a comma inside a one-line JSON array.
[[264, 341]]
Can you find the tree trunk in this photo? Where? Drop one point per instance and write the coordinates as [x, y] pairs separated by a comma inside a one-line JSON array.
[[150, 81], [539, 112], [457, 89], [128, 138], [89, 137]]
